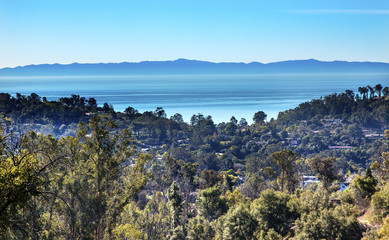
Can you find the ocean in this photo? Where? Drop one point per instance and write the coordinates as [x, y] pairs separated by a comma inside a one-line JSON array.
[[221, 96]]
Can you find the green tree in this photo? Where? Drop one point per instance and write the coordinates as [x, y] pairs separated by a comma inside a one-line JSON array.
[[253, 186], [383, 233], [211, 205], [380, 202], [177, 118], [382, 169], [271, 210], [160, 112], [324, 169], [366, 184], [286, 160], [386, 133], [339, 223], [153, 222], [378, 88], [239, 224], [24, 168], [208, 178], [269, 235], [243, 122], [131, 112], [233, 120], [199, 228], [259, 117], [177, 204], [112, 185]]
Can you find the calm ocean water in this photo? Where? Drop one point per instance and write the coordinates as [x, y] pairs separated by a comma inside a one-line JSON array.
[[220, 96]]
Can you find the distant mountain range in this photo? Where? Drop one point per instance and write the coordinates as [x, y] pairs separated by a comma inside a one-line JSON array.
[[184, 66]]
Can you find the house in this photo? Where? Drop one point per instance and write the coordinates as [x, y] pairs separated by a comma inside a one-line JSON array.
[[331, 121], [309, 179], [374, 135], [340, 147]]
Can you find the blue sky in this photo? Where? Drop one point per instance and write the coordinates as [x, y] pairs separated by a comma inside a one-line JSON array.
[[49, 31]]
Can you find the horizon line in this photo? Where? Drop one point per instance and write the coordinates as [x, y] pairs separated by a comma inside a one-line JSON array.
[[195, 60]]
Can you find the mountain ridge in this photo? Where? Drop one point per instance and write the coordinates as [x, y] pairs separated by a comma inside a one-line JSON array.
[[182, 66]]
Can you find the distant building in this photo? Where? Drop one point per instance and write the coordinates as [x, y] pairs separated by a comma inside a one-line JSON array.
[[340, 147], [309, 179], [374, 135], [330, 121]]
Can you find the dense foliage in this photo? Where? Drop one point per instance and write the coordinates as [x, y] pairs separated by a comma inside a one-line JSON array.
[[131, 175]]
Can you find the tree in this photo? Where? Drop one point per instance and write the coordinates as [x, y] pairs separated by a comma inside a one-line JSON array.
[[107, 107], [208, 178], [111, 184], [269, 235], [131, 112], [211, 205], [153, 222], [230, 128], [382, 169], [371, 90], [366, 184], [92, 103], [177, 203], [233, 120], [177, 118], [338, 223], [385, 91], [380, 202], [159, 112], [253, 186], [363, 91], [195, 119], [350, 94], [239, 224], [354, 131], [24, 167], [259, 117], [286, 160], [271, 210], [383, 232], [378, 88], [386, 133], [200, 228], [243, 122], [324, 169]]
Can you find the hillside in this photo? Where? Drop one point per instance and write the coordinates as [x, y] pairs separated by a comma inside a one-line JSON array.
[[321, 164]]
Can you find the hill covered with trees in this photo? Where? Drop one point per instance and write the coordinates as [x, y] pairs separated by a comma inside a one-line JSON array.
[[70, 169]]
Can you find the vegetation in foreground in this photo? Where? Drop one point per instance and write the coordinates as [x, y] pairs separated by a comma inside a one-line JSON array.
[[144, 176]]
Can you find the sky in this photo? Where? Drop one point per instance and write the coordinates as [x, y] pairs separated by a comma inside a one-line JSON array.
[[84, 31]]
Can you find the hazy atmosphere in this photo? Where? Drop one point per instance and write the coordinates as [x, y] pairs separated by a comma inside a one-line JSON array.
[[43, 31]]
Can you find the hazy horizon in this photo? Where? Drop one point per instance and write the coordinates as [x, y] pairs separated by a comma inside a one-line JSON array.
[[172, 60], [41, 31]]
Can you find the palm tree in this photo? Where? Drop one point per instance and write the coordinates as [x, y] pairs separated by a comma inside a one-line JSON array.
[[378, 88], [360, 91], [363, 91], [372, 91], [385, 91]]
